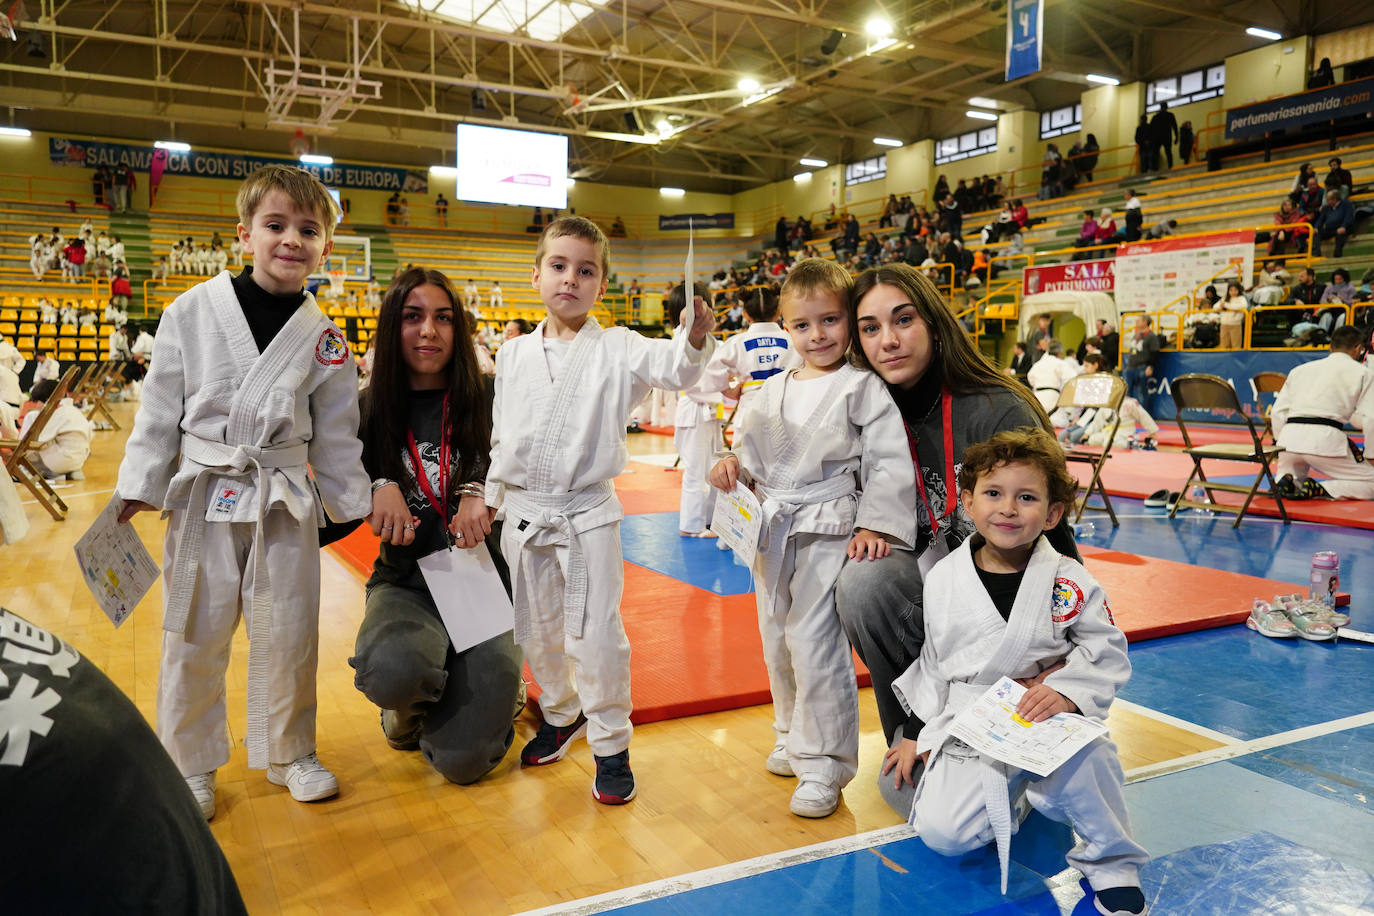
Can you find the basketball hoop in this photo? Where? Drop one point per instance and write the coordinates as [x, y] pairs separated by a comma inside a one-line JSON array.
[[336, 283], [299, 146]]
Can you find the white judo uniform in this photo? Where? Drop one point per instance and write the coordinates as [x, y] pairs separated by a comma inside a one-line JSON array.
[[1332, 392], [1095, 423], [696, 435], [964, 800], [844, 465], [1047, 377], [558, 440], [10, 357], [754, 355], [64, 443], [221, 443]]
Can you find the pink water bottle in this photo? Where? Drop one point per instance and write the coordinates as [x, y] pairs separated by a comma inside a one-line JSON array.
[[1324, 577]]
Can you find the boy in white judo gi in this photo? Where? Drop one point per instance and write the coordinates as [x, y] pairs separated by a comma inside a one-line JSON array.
[[64, 443], [249, 383], [761, 351], [1006, 604], [696, 434], [826, 454], [563, 394]]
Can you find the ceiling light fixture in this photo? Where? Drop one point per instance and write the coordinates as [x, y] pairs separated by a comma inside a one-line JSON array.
[[814, 163], [878, 27], [801, 177], [672, 192], [981, 115], [1258, 32], [173, 146], [747, 84], [443, 171], [312, 159], [15, 132], [1104, 80], [886, 141], [983, 102]]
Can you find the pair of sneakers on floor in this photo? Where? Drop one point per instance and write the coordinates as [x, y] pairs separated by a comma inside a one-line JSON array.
[[305, 778], [1294, 616], [614, 783]]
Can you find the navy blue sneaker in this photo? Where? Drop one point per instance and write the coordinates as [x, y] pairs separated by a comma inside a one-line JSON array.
[[551, 742], [1120, 901], [614, 783]]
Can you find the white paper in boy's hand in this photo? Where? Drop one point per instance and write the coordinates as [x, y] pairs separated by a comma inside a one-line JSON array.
[[736, 520], [468, 591], [689, 289], [990, 725], [116, 566]]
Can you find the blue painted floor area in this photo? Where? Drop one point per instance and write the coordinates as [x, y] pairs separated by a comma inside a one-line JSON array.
[[1338, 767], [1242, 684], [1259, 547], [652, 540]]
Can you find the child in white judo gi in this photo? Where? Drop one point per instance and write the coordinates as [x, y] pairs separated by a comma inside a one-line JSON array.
[[249, 383], [826, 454], [563, 394], [750, 358], [696, 435], [1006, 604], [64, 443]]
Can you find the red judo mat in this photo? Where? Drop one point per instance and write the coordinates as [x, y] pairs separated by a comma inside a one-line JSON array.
[[1205, 434], [694, 651], [1139, 473]]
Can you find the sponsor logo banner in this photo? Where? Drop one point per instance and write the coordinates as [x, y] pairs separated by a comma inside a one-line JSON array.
[[1327, 104], [696, 220], [1090, 276]]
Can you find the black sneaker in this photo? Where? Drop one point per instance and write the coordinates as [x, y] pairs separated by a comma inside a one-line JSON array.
[[551, 742], [1287, 486], [614, 783], [1120, 901]]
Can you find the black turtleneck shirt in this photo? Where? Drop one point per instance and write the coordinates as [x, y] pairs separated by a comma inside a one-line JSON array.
[[266, 313]]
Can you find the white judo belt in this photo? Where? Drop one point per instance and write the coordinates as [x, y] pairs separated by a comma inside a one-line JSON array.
[[531, 513], [217, 459], [778, 508]]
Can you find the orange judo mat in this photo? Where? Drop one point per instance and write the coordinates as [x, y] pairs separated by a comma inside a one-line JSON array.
[[694, 651]]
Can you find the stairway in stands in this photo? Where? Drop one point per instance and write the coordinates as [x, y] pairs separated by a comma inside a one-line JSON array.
[[132, 229]]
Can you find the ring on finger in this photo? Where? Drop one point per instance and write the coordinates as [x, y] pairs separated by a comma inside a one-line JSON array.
[[408, 527], [387, 527], [458, 536]]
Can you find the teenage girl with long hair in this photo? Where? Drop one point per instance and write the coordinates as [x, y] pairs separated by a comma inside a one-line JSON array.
[[426, 431]]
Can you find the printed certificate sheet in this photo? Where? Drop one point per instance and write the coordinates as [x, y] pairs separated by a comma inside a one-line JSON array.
[[468, 591], [992, 727], [736, 520], [117, 567]]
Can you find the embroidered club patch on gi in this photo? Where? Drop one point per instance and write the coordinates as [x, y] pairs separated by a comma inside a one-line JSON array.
[[1068, 601], [331, 349]]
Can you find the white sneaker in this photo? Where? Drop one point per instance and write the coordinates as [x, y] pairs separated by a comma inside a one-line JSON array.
[[777, 762], [76, 475], [815, 797], [202, 786], [306, 777]]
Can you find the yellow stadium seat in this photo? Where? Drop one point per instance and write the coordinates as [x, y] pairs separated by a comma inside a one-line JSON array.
[[28, 315], [370, 323], [7, 328], [351, 312], [47, 329], [47, 343], [66, 356], [87, 330], [9, 314], [87, 346], [27, 330]]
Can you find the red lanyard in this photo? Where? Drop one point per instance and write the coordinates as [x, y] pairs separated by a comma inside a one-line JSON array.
[[946, 410], [418, 467]]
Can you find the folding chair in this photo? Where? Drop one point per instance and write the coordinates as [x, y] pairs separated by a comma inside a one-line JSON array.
[[102, 384], [1099, 391], [1211, 393], [17, 463], [1268, 383]]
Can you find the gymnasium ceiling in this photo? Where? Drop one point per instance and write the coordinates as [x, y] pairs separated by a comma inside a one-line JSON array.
[[387, 80]]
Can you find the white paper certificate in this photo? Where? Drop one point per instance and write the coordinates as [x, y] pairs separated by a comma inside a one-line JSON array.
[[117, 567], [736, 520], [992, 727], [468, 592]]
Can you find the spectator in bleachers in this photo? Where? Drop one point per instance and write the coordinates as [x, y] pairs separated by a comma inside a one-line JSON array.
[[1339, 179], [46, 367], [1162, 228], [124, 184], [885, 219], [118, 342], [1185, 142], [102, 242], [1339, 289], [1233, 310], [142, 347], [10, 357], [64, 443], [1308, 290], [1108, 343], [87, 318], [69, 314], [1087, 162], [47, 312], [116, 250], [1135, 216], [1310, 201], [441, 209], [1142, 358], [159, 271], [516, 327], [236, 249], [1163, 135], [403, 212], [1144, 151], [1336, 220], [1106, 230], [952, 216], [1300, 180], [851, 235], [120, 292], [1050, 173], [734, 317], [75, 259], [39, 258], [497, 297], [1322, 76], [1288, 214], [219, 259], [101, 179], [1268, 288], [1021, 361], [993, 191], [872, 249], [1042, 332]]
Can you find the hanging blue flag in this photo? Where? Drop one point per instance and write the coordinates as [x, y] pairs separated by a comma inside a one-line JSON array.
[[1025, 24]]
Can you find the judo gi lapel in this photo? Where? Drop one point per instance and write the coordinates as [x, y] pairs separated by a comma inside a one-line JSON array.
[[790, 448], [1029, 620], [564, 400], [282, 366]]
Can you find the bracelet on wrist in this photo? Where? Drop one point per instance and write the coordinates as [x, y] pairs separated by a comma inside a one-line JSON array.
[[382, 482]]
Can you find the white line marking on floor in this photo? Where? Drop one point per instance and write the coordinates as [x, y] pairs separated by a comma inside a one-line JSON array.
[[1240, 749], [66, 496], [1193, 727], [722, 873]]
